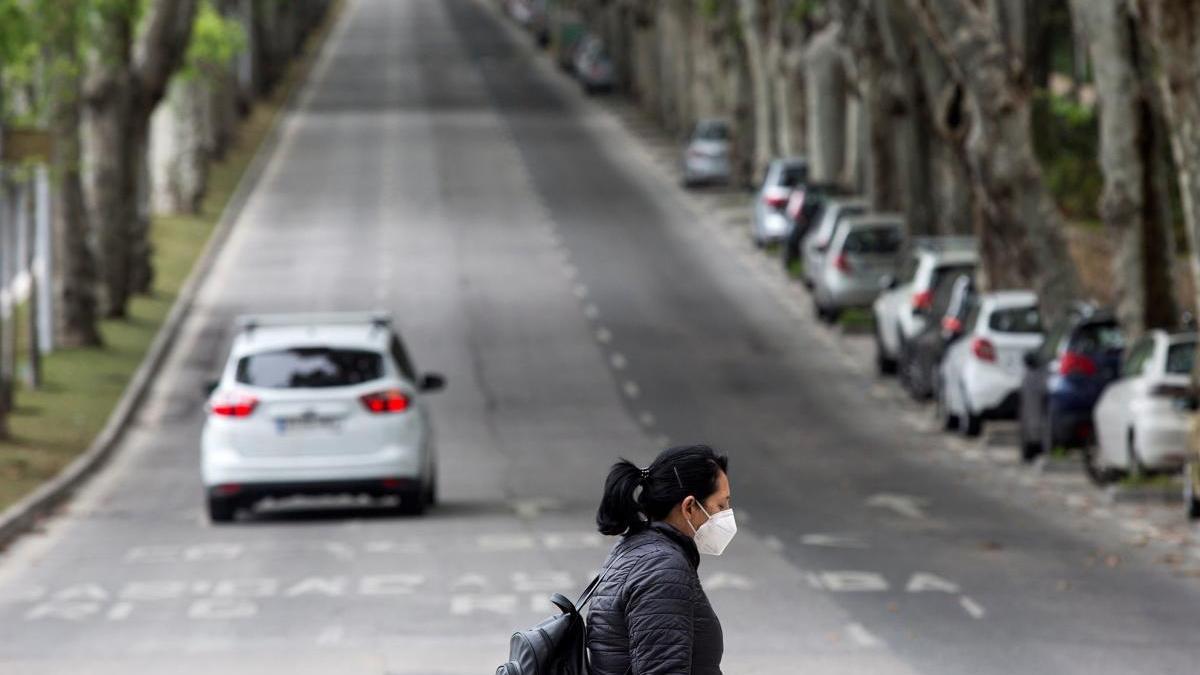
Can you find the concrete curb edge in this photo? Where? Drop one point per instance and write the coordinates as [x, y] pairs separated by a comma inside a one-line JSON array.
[[25, 514]]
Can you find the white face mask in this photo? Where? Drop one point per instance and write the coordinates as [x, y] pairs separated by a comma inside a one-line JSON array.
[[715, 534]]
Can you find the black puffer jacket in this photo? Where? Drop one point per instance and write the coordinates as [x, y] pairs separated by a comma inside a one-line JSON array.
[[649, 616]]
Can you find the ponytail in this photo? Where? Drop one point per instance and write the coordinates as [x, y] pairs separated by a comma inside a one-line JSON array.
[[676, 474], [619, 511]]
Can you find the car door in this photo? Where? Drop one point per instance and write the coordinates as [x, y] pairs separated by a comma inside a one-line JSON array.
[[1112, 414]]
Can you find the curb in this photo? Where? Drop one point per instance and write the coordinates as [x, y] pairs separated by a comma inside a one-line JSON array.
[[1169, 494], [24, 515]]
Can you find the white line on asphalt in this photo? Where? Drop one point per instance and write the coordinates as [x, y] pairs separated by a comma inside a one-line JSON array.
[[591, 311], [571, 270], [618, 361], [772, 543], [863, 637], [663, 441], [833, 541], [580, 291], [631, 389], [973, 608], [905, 505], [647, 419], [603, 335]]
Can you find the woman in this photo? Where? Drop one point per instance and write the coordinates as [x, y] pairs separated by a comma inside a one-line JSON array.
[[649, 615]]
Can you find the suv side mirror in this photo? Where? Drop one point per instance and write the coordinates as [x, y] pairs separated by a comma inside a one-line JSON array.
[[431, 382], [1032, 360]]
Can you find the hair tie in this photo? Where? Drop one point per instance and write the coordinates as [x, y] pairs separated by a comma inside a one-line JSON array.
[[645, 475]]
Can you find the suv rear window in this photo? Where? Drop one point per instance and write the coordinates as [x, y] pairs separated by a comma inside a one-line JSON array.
[[878, 240], [712, 131], [1016, 320], [1092, 338], [793, 175], [1180, 358], [942, 272], [309, 367]]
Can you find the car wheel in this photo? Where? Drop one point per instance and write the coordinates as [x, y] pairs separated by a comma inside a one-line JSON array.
[[413, 501], [883, 364], [971, 424], [1191, 500], [222, 509], [431, 490]]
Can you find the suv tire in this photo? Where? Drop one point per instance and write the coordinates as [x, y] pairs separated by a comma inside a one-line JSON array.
[[222, 509]]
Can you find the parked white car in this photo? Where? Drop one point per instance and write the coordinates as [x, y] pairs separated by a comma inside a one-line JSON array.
[[1142, 419], [865, 250], [980, 376], [318, 404], [820, 236], [900, 311], [770, 223]]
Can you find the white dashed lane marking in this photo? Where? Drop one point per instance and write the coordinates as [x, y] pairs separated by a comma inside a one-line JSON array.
[[618, 361], [631, 389], [971, 607], [603, 335], [862, 637]]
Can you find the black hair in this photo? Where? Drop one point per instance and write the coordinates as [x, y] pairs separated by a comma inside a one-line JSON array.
[[677, 473]]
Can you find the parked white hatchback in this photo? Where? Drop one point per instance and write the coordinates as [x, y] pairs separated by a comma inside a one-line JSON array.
[[901, 309], [318, 404], [981, 374], [1141, 420]]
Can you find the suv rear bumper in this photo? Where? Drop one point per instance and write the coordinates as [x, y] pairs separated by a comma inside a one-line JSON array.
[[255, 491]]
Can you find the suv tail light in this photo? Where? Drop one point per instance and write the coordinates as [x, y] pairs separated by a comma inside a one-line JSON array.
[[1073, 363], [228, 404], [952, 324], [842, 263], [923, 300], [775, 198], [389, 401], [984, 350]]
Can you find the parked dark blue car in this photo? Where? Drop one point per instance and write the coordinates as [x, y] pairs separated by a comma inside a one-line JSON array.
[[1064, 379]]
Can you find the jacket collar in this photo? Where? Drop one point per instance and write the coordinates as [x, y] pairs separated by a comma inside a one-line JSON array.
[[680, 540]]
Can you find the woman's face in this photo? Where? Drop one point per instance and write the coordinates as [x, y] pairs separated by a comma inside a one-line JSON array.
[[715, 503]]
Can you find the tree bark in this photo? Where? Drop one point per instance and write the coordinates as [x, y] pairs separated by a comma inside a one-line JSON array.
[[825, 90], [753, 34], [74, 268], [1128, 156], [1021, 238]]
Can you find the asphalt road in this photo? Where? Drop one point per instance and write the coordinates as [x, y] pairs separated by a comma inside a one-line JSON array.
[[530, 252]]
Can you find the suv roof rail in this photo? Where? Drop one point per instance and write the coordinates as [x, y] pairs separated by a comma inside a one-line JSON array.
[[250, 322], [946, 244]]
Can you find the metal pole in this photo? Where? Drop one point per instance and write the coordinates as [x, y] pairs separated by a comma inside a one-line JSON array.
[[44, 263]]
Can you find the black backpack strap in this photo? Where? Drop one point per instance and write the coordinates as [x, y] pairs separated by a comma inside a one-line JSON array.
[[595, 583]]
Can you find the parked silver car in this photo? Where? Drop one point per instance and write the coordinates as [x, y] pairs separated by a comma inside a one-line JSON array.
[[706, 158], [593, 66], [820, 236], [771, 223], [864, 252]]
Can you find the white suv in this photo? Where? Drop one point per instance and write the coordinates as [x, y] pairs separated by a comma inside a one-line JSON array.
[[318, 404], [900, 311]]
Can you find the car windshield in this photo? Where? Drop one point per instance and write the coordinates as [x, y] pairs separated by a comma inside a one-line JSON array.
[[1016, 320], [1092, 338], [309, 367], [1181, 357], [712, 131], [880, 240]]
